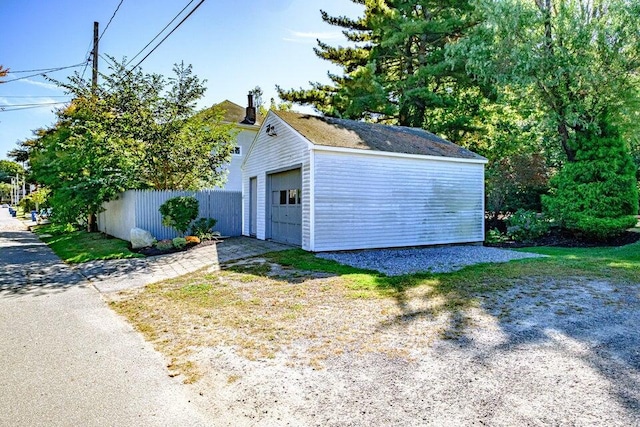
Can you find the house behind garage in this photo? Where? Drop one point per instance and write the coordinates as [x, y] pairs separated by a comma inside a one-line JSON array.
[[246, 121], [332, 184]]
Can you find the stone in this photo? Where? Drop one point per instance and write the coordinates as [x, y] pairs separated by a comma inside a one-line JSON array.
[[140, 238]]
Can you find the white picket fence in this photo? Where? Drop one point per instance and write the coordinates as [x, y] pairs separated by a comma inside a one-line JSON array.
[[140, 208]]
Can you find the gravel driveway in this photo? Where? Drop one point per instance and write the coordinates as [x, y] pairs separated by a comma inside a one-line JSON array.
[[562, 354], [394, 262]]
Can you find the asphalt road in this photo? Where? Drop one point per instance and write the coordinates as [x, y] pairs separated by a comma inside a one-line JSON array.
[[66, 358]]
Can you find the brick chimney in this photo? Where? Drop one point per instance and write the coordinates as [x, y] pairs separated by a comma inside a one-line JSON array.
[[250, 116]]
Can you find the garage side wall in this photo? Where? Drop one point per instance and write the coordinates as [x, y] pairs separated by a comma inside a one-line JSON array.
[[367, 201], [286, 150]]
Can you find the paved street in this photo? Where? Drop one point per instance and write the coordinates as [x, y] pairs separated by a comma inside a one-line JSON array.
[[67, 359]]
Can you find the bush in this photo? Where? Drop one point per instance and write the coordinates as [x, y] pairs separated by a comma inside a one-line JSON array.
[[179, 212], [495, 236], [595, 197], [202, 228], [515, 182], [525, 225], [179, 242], [164, 245]]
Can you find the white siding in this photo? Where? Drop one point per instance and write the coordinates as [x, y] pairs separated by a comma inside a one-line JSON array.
[[234, 171], [287, 150], [373, 201]]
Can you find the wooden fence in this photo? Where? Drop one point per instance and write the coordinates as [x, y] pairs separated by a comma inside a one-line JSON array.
[[140, 208]]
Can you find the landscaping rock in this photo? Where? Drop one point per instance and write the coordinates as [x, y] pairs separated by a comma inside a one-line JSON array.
[[140, 238]]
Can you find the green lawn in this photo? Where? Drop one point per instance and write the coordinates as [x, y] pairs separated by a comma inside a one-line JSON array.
[[617, 264], [79, 246]]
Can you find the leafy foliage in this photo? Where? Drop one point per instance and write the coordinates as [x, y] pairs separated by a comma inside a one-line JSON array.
[[596, 195], [179, 242], [203, 227], [526, 225], [179, 212], [396, 70], [134, 130], [575, 61], [9, 169], [516, 182]]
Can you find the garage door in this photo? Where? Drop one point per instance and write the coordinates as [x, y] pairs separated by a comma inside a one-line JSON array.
[[286, 207]]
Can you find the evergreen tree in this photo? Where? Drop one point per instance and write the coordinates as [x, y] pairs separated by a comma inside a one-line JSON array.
[[397, 70], [595, 196]]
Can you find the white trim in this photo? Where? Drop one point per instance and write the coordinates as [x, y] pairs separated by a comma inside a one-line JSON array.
[[316, 147], [312, 201]]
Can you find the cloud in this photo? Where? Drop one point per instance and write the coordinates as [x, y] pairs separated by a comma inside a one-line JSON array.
[[310, 37], [41, 84]]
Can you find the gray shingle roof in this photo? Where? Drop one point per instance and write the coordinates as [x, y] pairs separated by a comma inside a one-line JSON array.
[[334, 132], [234, 113]]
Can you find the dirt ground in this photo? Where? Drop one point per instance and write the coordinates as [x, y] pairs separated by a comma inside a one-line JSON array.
[[539, 353]]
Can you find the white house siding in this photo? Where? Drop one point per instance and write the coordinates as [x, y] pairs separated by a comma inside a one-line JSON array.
[[374, 201], [287, 150], [234, 168]]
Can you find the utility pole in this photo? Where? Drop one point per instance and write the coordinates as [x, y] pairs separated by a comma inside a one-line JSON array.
[[92, 224], [96, 38]]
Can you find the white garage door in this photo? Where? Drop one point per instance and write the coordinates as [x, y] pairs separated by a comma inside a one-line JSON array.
[[286, 207]]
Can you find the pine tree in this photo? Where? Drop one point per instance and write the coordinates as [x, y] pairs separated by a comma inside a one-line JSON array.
[[595, 196], [397, 71]]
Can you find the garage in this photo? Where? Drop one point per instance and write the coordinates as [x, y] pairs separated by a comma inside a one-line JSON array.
[[286, 207], [329, 184]]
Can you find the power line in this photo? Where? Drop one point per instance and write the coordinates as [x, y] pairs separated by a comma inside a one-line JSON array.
[[38, 69], [158, 35], [111, 19], [86, 55], [9, 109], [48, 70], [35, 96], [32, 104], [171, 32], [107, 59]]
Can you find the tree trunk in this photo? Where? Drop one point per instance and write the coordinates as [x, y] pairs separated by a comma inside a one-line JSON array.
[[92, 223]]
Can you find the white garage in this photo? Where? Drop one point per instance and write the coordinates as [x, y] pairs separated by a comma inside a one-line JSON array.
[[333, 184]]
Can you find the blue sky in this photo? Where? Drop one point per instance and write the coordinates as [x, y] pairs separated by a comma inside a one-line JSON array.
[[235, 45]]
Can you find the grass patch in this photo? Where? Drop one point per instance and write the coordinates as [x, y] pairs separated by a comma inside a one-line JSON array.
[[75, 246], [311, 317]]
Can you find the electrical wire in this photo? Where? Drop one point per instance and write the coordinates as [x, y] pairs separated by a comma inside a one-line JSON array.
[[35, 96], [86, 55], [48, 70], [12, 108], [171, 32], [106, 59], [111, 19], [158, 35]]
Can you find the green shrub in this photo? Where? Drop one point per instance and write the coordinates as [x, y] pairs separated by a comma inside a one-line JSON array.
[[202, 228], [179, 242], [164, 245], [595, 196], [179, 212], [604, 228], [525, 225], [495, 236]]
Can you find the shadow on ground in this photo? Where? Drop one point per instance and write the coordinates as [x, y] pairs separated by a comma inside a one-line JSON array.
[[28, 267]]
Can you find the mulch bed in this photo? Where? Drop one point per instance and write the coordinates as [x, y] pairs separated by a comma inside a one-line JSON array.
[[559, 239], [153, 251]]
